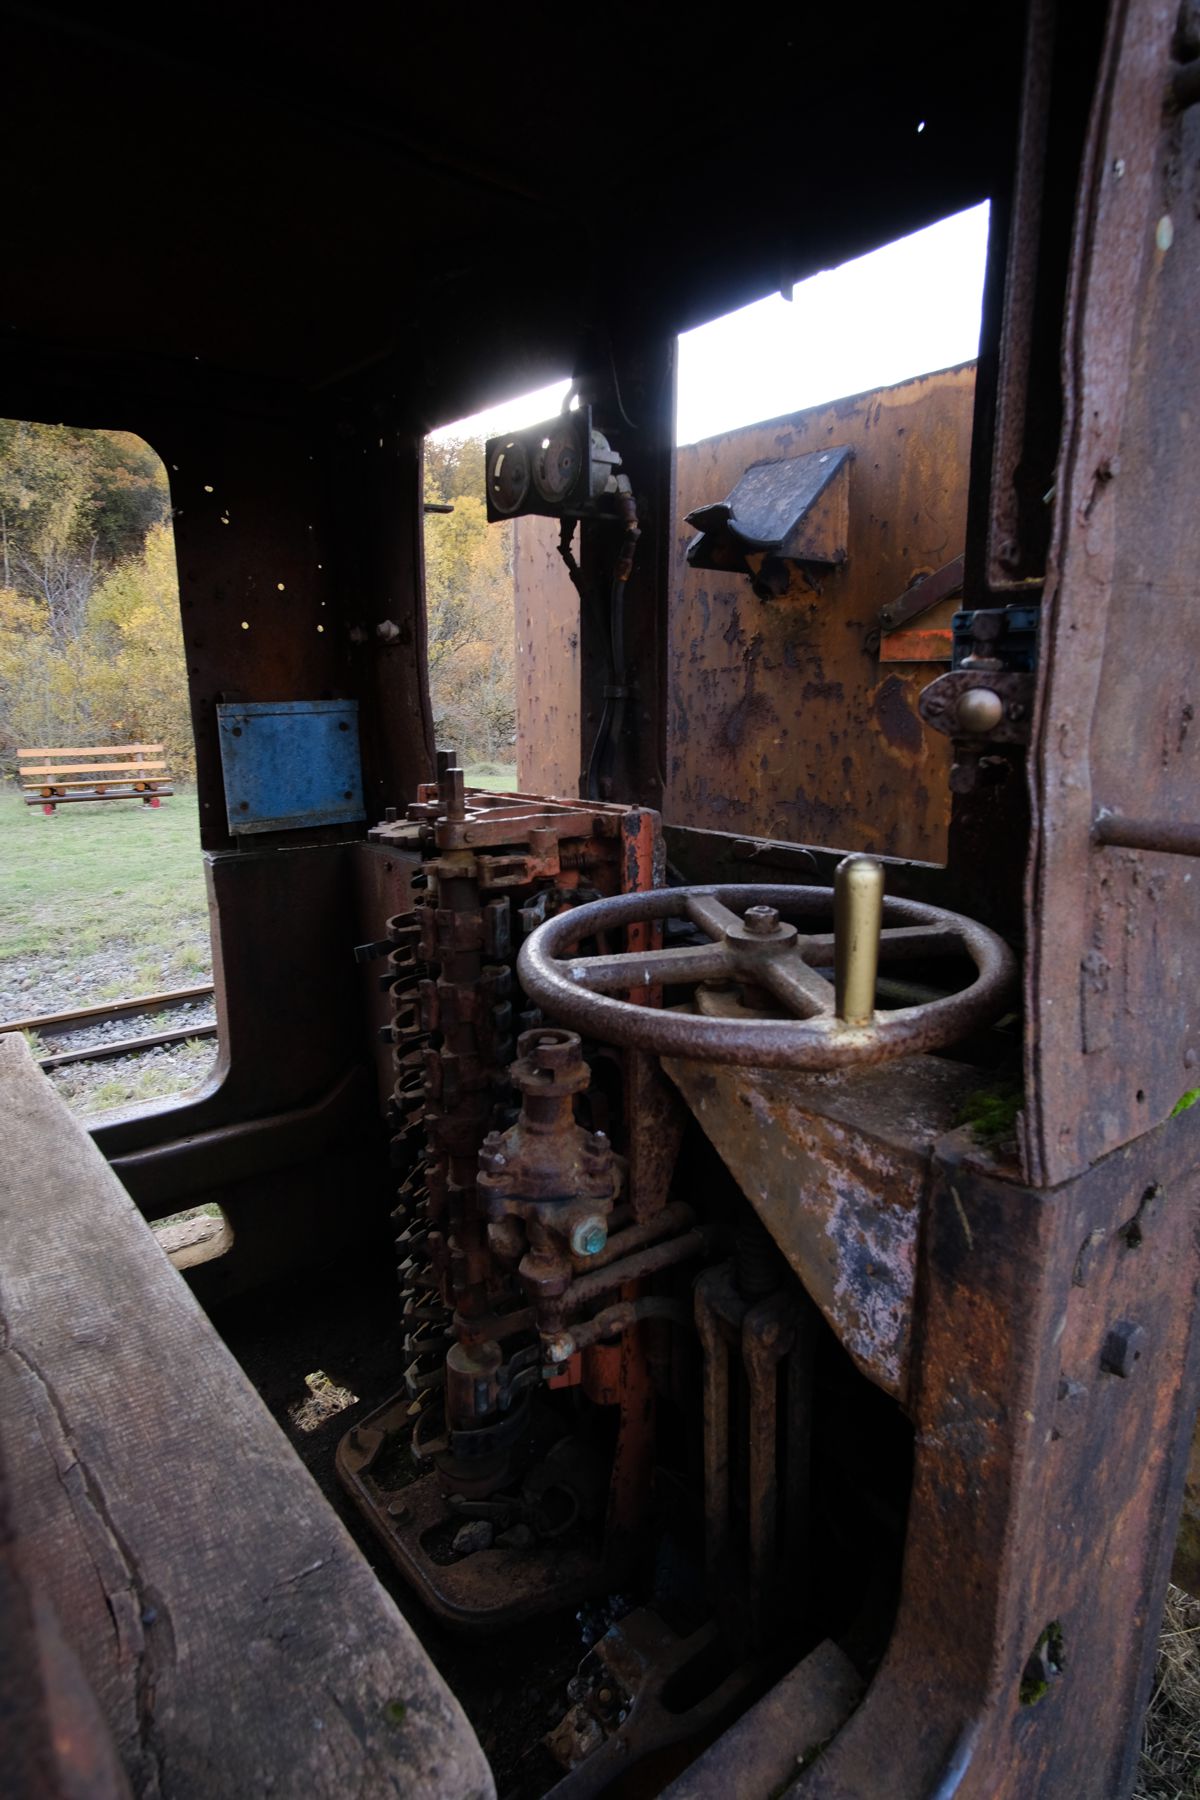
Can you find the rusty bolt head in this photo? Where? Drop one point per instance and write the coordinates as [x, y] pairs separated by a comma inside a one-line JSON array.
[[760, 921], [1123, 1347], [588, 1237]]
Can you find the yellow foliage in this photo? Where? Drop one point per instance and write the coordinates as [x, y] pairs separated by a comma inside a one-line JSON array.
[[124, 677], [471, 629]]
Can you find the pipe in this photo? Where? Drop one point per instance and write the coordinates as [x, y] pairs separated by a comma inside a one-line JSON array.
[[581, 1293], [561, 1346], [1166, 835]]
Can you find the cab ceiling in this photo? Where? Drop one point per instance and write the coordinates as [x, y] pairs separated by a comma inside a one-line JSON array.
[[452, 199]]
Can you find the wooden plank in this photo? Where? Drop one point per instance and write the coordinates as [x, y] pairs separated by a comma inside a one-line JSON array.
[[233, 1634], [53, 769], [53, 782], [162, 792], [88, 749]]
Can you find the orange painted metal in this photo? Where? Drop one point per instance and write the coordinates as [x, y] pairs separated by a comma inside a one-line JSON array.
[[920, 645]]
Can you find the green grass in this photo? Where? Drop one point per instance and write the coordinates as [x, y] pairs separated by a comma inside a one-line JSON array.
[[88, 875], [148, 1082], [494, 778]]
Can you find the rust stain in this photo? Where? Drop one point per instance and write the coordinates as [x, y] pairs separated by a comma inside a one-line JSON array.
[[895, 718]]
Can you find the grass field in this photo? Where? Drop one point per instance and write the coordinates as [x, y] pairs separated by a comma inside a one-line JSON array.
[[91, 876], [495, 778], [105, 902]]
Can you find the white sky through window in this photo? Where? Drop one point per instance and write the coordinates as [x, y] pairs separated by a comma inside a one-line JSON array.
[[903, 310]]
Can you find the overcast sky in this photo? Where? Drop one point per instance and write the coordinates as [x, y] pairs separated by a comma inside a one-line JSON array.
[[903, 310]]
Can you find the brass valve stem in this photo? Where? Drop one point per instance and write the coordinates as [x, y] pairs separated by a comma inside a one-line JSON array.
[[857, 923]]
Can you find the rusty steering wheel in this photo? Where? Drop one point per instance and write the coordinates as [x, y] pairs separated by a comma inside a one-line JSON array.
[[833, 1024]]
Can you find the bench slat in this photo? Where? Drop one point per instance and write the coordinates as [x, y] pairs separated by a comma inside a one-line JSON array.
[[162, 791], [86, 749], [42, 781], [85, 768]]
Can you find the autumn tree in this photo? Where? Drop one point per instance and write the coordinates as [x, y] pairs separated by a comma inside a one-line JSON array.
[[138, 680], [90, 641], [72, 504], [468, 607]]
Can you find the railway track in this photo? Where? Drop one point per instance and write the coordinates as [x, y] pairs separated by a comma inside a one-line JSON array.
[[62, 1024]]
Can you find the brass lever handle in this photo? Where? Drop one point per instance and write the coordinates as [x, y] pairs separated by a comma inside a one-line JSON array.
[[857, 923]]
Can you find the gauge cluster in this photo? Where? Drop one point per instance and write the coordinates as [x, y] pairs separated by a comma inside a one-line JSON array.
[[562, 468]]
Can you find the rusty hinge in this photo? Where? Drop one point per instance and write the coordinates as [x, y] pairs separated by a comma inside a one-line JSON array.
[[923, 594]]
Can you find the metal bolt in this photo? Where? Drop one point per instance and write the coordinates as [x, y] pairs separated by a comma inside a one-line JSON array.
[[1123, 1346], [588, 1237], [760, 921]]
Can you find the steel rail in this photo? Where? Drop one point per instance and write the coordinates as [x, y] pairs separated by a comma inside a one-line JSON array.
[[126, 1046], [58, 1024]]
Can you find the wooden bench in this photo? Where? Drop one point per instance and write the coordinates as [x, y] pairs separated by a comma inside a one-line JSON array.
[[231, 1634], [130, 773]]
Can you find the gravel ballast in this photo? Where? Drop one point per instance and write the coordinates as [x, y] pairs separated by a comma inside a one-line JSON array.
[[40, 985]]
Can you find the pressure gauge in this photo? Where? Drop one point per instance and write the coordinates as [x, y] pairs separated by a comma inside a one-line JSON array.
[[508, 475], [557, 461]]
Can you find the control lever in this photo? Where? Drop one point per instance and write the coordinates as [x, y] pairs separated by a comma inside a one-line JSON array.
[[857, 925]]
